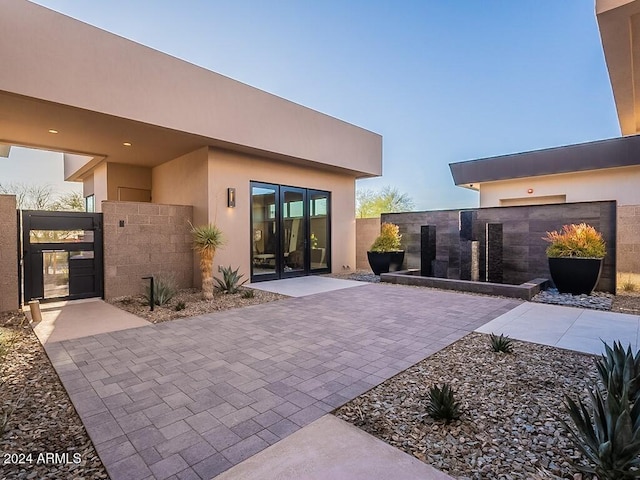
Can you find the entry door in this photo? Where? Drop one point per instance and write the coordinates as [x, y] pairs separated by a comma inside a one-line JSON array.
[[290, 231], [294, 238]]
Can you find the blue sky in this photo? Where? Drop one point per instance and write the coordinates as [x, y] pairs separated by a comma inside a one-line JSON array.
[[441, 81]]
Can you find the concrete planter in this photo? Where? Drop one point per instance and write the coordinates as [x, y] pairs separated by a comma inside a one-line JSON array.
[[575, 275], [384, 262]]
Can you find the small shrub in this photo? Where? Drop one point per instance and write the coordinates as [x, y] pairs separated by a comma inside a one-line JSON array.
[[388, 240], [442, 404], [180, 306], [619, 371], [248, 293], [628, 285], [501, 343], [576, 241], [164, 290], [230, 282]]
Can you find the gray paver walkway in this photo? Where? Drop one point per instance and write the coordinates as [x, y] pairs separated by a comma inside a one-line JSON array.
[[191, 398]]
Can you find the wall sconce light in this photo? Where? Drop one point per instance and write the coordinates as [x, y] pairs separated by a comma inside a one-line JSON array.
[[530, 191], [231, 197]]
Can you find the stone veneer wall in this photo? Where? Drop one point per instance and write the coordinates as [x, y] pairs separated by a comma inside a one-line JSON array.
[[628, 239], [154, 240], [8, 253], [367, 230], [524, 255]]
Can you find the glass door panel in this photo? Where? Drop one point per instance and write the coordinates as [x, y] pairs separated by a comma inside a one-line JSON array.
[[264, 219], [294, 228], [319, 238], [55, 273]]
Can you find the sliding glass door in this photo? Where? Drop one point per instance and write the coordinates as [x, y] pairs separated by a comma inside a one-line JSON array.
[[290, 230]]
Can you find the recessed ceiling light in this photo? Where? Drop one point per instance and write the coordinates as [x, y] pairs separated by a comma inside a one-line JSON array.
[[126, 144], [53, 131]]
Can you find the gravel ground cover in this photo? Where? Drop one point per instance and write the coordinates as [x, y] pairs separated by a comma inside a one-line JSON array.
[[193, 302], [44, 438], [627, 303], [511, 404]]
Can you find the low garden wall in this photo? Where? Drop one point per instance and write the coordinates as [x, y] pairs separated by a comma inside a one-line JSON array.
[[142, 239], [367, 229], [524, 255]]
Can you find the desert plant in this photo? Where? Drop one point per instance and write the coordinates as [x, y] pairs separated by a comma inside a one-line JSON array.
[[230, 282], [180, 306], [628, 285], [248, 293], [388, 240], [164, 290], [576, 241], [619, 371], [501, 343], [442, 404], [608, 434], [206, 240]]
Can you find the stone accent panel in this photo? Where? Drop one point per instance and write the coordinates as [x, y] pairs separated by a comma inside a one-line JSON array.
[[153, 240], [8, 253], [629, 239], [367, 230], [524, 256]]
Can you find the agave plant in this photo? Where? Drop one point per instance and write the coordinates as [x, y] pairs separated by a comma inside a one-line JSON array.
[[442, 404], [501, 343], [164, 290], [230, 282], [608, 434], [206, 239], [619, 369]]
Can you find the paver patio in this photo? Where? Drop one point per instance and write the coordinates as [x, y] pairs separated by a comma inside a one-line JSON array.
[[189, 399]]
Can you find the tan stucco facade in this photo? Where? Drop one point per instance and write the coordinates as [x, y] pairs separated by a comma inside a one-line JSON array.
[[619, 25], [138, 125], [202, 178], [620, 184]]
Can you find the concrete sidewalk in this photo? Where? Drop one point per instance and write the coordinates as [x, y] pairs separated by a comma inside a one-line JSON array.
[[81, 318], [566, 327]]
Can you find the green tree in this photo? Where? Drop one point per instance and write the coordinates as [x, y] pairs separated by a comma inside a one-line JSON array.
[[372, 203]]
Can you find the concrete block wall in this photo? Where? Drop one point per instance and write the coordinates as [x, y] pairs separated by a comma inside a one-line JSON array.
[[8, 254], [628, 239], [524, 256], [155, 240], [367, 230]]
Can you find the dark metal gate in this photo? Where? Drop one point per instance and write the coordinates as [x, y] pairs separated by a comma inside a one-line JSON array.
[[62, 255]]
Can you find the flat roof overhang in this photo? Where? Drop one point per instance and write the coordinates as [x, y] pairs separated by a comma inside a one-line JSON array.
[[99, 90], [619, 25], [610, 153]]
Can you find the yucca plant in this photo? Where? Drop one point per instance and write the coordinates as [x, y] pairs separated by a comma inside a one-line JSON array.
[[608, 434], [442, 404], [164, 290], [206, 240], [619, 371], [501, 343], [230, 282]]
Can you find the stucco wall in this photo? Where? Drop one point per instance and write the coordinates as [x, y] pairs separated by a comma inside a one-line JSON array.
[[523, 228], [8, 254], [232, 169], [367, 230], [620, 184], [154, 240], [629, 239]]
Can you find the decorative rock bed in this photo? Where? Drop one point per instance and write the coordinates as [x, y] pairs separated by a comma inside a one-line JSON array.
[[596, 301], [511, 406]]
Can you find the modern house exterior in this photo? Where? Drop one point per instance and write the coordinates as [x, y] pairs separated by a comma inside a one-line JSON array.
[[594, 171], [138, 125]]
